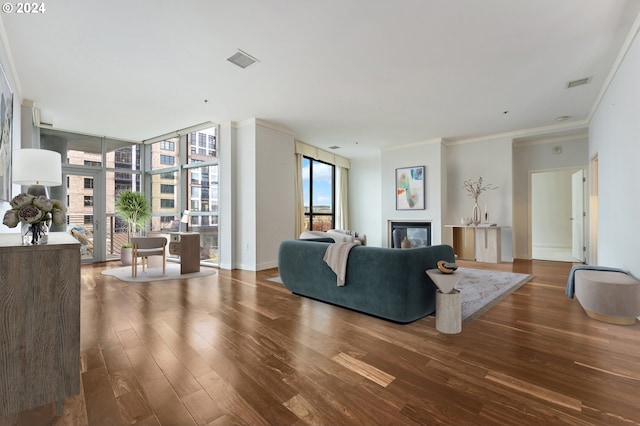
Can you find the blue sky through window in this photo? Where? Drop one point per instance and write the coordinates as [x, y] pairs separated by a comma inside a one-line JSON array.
[[322, 183]]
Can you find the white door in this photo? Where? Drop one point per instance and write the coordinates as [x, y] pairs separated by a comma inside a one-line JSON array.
[[577, 215]]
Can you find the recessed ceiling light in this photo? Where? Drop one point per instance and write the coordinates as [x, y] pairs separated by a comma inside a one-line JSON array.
[[242, 59], [334, 147], [562, 118]]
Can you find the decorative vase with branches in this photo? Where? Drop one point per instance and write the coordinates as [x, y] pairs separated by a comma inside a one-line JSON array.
[[475, 188]]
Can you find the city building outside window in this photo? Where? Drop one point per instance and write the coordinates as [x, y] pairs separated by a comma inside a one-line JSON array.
[[167, 160], [167, 204], [168, 145], [167, 189]]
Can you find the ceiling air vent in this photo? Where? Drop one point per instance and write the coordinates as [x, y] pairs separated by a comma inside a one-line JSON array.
[[242, 59], [579, 82]]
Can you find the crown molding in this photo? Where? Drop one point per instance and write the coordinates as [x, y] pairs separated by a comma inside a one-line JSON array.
[[262, 123], [412, 144], [543, 141], [635, 29], [523, 133]]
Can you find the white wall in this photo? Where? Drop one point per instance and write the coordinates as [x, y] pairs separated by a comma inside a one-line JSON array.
[[275, 201], [365, 189], [539, 156], [245, 178], [551, 209], [258, 192], [491, 160], [615, 137], [16, 128], [428, 154]]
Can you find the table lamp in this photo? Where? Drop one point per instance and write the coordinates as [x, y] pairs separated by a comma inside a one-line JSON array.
[[184, 220], [38, 168]]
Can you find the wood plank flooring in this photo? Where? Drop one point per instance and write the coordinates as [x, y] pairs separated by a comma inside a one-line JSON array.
[[236, 349]]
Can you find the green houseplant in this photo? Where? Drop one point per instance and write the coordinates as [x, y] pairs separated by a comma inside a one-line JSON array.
[[133, 208]]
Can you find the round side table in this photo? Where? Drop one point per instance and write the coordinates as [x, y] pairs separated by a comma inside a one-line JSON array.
[[448, 301]]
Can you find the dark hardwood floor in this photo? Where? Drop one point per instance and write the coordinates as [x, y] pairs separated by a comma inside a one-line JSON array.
[[236, 349]]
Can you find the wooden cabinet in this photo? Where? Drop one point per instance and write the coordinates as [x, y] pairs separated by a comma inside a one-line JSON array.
[[481, 243], [464, 243], [187, 246], [39, 322]]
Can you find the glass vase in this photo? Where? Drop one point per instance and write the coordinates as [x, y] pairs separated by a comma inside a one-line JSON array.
[[35, 233]]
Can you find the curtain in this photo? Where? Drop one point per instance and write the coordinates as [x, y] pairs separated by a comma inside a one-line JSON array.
[[299, 207], [342, 199]]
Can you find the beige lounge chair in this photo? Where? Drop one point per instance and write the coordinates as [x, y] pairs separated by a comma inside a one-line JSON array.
[[85, 242], [143, 247]]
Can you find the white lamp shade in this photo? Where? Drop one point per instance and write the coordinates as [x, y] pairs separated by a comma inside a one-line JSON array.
[[37, 167]]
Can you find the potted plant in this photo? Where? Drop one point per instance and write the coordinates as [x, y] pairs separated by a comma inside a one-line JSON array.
[[133, 208]]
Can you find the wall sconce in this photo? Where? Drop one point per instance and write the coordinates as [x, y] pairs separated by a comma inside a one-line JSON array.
[[184, 221], [38, 168]]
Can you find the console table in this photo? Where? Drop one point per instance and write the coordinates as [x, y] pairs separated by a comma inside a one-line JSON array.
[[186, 245], [39, 322], [481, 243]]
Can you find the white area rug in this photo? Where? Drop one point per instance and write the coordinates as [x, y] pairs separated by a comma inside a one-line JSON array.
[[480, 289], [155, 273]]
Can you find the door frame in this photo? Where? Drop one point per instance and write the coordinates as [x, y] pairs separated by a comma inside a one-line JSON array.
[[530, 202], [592, 252], [582, 215]]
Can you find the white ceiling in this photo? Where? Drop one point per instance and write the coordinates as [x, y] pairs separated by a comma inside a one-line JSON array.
[[360, 74]]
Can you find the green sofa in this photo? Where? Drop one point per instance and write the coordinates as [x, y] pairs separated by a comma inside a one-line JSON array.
[[384, 282]]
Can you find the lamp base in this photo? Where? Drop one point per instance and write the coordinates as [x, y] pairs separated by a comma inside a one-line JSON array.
[[37, 190]]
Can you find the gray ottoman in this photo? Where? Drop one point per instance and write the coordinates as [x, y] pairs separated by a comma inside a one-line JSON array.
[[612, 297]]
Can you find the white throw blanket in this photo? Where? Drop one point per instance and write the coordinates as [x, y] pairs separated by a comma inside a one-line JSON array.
[[336, 257]]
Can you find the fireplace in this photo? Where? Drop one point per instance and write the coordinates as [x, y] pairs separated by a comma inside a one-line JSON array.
[[418, 232]]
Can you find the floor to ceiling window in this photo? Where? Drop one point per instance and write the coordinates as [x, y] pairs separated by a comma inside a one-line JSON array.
[[164, 172], [95, 170], [318, 194], [203, 195], [183, 172], [180, 176]]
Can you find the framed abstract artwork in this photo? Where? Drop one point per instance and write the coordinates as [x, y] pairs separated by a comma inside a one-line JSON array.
[[410, 193], [6, 119]]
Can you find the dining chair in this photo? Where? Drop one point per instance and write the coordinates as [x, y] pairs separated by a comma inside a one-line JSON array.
[[143, 247]]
